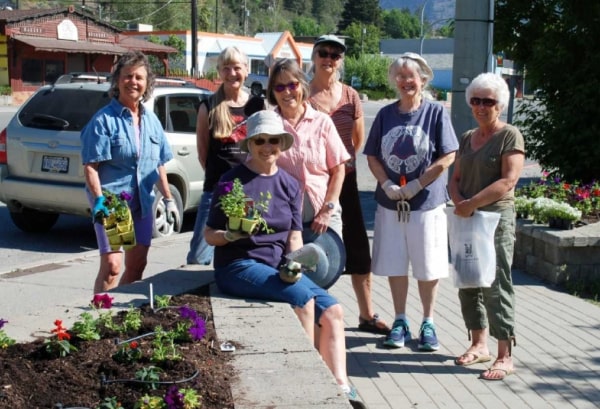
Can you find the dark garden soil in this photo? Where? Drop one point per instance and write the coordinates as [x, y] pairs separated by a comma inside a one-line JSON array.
[[30, 379]]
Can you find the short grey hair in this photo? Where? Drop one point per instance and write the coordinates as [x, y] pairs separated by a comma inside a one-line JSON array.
[[412, 64], [488, 81]]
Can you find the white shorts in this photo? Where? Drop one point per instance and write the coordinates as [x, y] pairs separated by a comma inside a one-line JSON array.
[[421, 243]]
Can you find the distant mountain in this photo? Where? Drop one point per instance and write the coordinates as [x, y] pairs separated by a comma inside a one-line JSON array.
[[435, 10]]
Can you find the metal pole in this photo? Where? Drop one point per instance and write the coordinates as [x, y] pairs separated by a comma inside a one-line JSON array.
[[422, 24], [472, 55]]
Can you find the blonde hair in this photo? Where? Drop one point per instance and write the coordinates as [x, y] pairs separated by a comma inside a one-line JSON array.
[[220, 120]]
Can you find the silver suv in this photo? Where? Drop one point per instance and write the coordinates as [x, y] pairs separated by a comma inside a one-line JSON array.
[[41, 174]]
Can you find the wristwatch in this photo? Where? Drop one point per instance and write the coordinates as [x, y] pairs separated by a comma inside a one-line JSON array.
[[330, 205]]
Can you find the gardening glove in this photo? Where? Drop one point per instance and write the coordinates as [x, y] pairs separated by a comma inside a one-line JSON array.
[[410, 190], [233, 235], [100, 211], [172, 212], [392, 190]]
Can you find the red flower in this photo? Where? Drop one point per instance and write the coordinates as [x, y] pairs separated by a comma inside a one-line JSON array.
[[134, 345], [102, 301], [60, 331]]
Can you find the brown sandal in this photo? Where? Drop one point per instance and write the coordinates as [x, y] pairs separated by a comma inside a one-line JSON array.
[[375, 325]]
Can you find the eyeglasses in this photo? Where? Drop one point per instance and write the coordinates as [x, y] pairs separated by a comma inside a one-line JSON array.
[[486, 102], [260, 141], [291, 86], [325, 54]]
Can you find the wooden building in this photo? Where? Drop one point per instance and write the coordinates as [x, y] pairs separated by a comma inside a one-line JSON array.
[[37, 46]]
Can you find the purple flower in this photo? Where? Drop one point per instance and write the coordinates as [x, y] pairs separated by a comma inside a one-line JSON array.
[[174, 398], [125, 196], [225, 187], [198, 329], [2, 322], [187, 312]]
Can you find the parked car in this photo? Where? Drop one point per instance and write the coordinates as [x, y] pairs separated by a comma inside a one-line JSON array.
[[41, 174]]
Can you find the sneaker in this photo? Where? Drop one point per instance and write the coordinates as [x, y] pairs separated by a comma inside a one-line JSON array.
[[398, 335], [427, 339], [355, 401]]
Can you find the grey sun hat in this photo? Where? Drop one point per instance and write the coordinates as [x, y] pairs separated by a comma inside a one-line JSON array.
[[331, 39], [421, 61], [266, 123]]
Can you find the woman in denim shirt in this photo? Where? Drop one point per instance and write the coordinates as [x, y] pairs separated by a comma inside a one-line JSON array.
[[124, 149]]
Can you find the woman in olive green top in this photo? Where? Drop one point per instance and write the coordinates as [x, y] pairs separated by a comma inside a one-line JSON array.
[[486, 170]]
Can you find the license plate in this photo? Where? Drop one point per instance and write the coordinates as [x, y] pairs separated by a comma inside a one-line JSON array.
[[55, 164]]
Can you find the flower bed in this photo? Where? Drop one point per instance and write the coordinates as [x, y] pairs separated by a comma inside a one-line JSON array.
[[550, 200], [164, 357]]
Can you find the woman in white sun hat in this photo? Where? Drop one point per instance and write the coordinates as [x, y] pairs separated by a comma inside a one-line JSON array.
[[247, 265]]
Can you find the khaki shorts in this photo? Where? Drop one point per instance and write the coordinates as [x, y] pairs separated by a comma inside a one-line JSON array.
[[421, 244]]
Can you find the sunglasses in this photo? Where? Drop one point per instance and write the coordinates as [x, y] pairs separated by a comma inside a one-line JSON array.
[[486, 102], [260, 141], [292, 86], [325, 54]]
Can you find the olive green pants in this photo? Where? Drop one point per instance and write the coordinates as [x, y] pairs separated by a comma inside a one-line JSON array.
[[495, 305]]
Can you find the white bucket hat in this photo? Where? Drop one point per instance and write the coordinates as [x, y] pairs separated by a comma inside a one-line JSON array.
[[268, 123], [422, 63]]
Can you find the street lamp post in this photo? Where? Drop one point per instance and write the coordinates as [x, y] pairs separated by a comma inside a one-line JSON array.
[[422, 24]]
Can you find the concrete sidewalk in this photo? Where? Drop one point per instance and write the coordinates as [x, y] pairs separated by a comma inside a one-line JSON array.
[[557, 356]]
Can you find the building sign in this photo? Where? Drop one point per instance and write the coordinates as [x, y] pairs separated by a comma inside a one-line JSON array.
[[66, 30]]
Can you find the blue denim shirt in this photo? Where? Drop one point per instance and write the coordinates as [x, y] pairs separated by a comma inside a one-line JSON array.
[[109, 139]]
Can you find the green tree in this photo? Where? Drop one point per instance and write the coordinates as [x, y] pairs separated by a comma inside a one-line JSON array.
[[400, 24], [328, 13], [362, 12], [306, 26], [362, 39], [553, 41], [370, 70]]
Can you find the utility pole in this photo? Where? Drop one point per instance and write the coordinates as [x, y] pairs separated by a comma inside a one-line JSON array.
[[194, 38], [473, 52], [216, 16]]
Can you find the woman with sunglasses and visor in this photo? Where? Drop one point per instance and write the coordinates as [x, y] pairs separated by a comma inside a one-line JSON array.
[[247, 265], [410, 145], [317, 158], [342, 103], [487, 168]]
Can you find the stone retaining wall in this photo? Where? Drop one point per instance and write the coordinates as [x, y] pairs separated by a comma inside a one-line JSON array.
[[558, 256]]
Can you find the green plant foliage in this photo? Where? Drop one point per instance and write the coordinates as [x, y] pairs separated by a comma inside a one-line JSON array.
[[560, 131], [400, 24], [371, 70], [362, 39]]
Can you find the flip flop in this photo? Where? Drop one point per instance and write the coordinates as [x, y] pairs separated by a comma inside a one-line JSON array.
[[477, 358], [505, 372], [371, 325]]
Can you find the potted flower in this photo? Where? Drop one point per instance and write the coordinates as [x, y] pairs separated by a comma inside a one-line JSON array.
[[242, 212], [561, 215], [523, 206], [119, 223]]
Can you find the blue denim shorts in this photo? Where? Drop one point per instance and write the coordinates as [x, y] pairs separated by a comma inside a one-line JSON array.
[[252, 279]]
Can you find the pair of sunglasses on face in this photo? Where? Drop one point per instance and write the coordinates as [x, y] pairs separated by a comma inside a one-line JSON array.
[[261, 141], [486, 102], [292, 86], [325, 54]]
